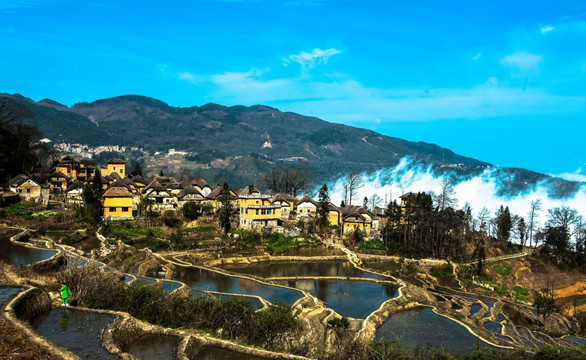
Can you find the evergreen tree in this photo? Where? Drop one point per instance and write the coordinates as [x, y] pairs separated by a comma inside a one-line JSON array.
[[136, 171], [226, 210], [92, 208], [323, 210]]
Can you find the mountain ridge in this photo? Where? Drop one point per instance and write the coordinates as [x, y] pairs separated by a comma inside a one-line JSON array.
[[263, 134]]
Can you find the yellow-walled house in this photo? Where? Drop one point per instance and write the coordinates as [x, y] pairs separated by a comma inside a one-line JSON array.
[[66, 167], [356, 218], [115, 165], [257, 217], [117, 203], [27, 188], [334, 215], [58, 180]]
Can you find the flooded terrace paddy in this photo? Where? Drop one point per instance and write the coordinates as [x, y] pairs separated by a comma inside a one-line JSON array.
[[422, 327], [75, 330], [352, 298], [207, 280], [275, 269], [16, 254], [154, 347]]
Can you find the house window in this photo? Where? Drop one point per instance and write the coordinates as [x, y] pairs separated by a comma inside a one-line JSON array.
[[124, 209], [242, 210], [112, 209], [246, 211], [256, 211], [120, 171], [263, 212], [28, 190]]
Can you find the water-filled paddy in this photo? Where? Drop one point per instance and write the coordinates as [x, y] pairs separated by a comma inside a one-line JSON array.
[[309, 268], [170, 285], [76, 331], [6, 293], [154, 347], [422, 327], [211, 281], [356, 299], [216, 353], [493, 326], [20, 255]]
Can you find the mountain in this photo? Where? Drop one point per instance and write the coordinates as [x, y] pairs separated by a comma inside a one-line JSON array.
[[240, 143]]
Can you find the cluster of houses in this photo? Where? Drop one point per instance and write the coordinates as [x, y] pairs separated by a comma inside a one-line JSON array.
[[122, 195]]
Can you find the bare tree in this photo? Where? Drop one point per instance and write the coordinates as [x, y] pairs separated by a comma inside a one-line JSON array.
[[564, 218], [284, 179], [445, 198], [484, 220], [374, 201], [11, 111], [533, 215], [352, 185]]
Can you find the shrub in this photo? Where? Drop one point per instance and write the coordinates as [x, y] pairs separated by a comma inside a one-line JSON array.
[[170, 219]]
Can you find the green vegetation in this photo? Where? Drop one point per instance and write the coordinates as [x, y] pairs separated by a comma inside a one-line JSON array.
[[374, 244], [129, 230], [520, 293], [505, 270], [202, 229], [20, 207], [278, 242]]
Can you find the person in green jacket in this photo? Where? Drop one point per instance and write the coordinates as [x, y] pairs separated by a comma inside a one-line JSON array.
[[64, 295]]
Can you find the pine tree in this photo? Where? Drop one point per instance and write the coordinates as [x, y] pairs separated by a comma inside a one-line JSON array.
[[323, 210]]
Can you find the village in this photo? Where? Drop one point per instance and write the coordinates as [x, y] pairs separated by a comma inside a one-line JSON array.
[[125, 196]]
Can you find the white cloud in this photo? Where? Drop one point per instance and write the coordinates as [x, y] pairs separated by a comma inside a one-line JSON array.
[[575, 176], [522, 63], [309, 60], [546, 29], [477, 56]]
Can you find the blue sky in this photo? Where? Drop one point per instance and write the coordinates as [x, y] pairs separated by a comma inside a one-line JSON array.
[[500, 81]]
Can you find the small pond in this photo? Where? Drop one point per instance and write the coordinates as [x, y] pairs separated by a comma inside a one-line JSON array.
[[422, 327], [6, 293], [203, 279], [271, 269], [493, 326], [217, 353], [75, 330], [154, 347], [356, 299], [15, 254], [474, 308]]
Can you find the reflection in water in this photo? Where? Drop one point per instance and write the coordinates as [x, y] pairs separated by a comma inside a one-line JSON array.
[[309, 268], [17, 254], [208, 280], [76, 331], [64, 320], [216, 353], [356, 299], [422, 327], [154, 347]]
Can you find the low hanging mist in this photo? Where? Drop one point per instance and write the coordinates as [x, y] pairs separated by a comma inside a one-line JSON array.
[[486, 189]]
